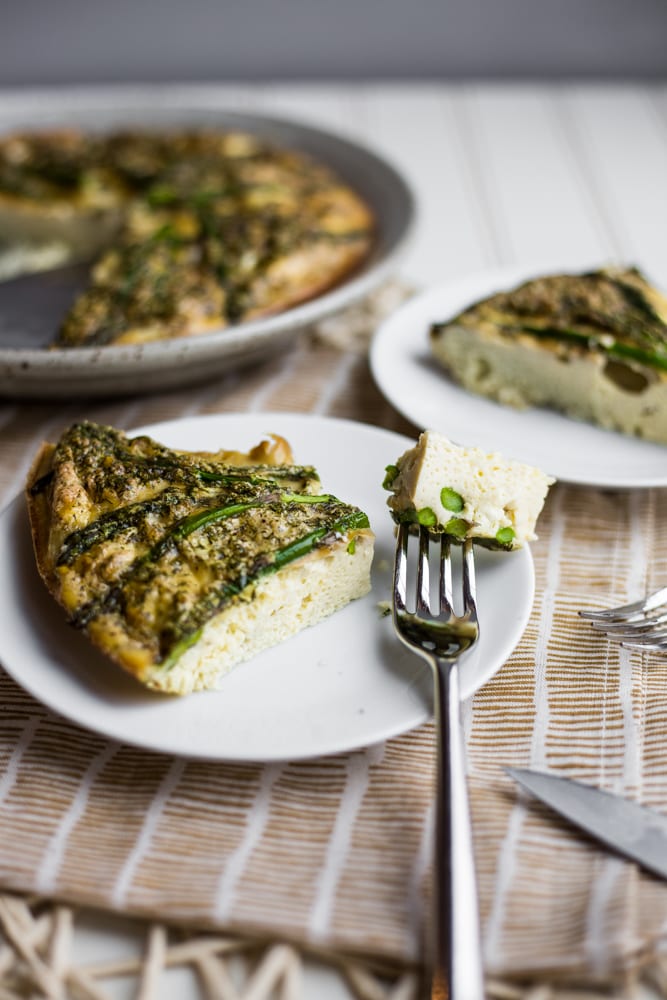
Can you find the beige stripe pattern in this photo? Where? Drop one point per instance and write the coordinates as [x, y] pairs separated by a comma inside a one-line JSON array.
[[335, 852]]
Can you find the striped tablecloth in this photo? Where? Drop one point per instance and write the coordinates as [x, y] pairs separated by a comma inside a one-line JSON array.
[[334, 852]]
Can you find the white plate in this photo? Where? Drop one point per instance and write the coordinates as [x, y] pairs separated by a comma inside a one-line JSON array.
[[412, 381], [342, 684], [36, 372]]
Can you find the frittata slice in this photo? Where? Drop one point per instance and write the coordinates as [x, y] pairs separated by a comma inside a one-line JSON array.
[[466, 493], [592, 345], [179, 565]]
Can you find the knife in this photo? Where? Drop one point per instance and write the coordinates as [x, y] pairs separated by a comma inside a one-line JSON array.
[[635, 831]]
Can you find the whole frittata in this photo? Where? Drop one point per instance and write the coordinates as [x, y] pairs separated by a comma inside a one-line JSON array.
[[190, 231]]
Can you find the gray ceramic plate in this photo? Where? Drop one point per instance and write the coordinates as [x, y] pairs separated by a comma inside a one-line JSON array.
[[34, 372]]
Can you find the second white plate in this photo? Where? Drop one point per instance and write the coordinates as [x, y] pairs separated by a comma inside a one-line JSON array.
[[571, 451], [339, 685]]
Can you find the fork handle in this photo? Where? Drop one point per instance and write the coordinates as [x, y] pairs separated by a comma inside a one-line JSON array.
[[457, 939]]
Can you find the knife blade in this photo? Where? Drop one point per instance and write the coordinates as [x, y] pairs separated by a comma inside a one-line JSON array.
[[630, 829]]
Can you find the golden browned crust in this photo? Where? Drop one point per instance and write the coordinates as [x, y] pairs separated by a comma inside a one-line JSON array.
[[271, 450], [38, 511]]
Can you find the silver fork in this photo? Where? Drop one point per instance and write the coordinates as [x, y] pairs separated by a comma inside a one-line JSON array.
[[640, 625], [441, 638]]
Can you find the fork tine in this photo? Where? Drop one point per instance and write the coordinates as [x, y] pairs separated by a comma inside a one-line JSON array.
[[400, 567], [631, 627], [469, 585], [628, 637], [640, 641], [646, 647], [627, 611], [446, 605], [423, 576]]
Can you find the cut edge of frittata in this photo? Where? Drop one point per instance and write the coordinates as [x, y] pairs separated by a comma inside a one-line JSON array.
[[276, 608]]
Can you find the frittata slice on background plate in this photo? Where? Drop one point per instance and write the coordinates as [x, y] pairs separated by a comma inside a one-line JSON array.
[[592, 345]]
